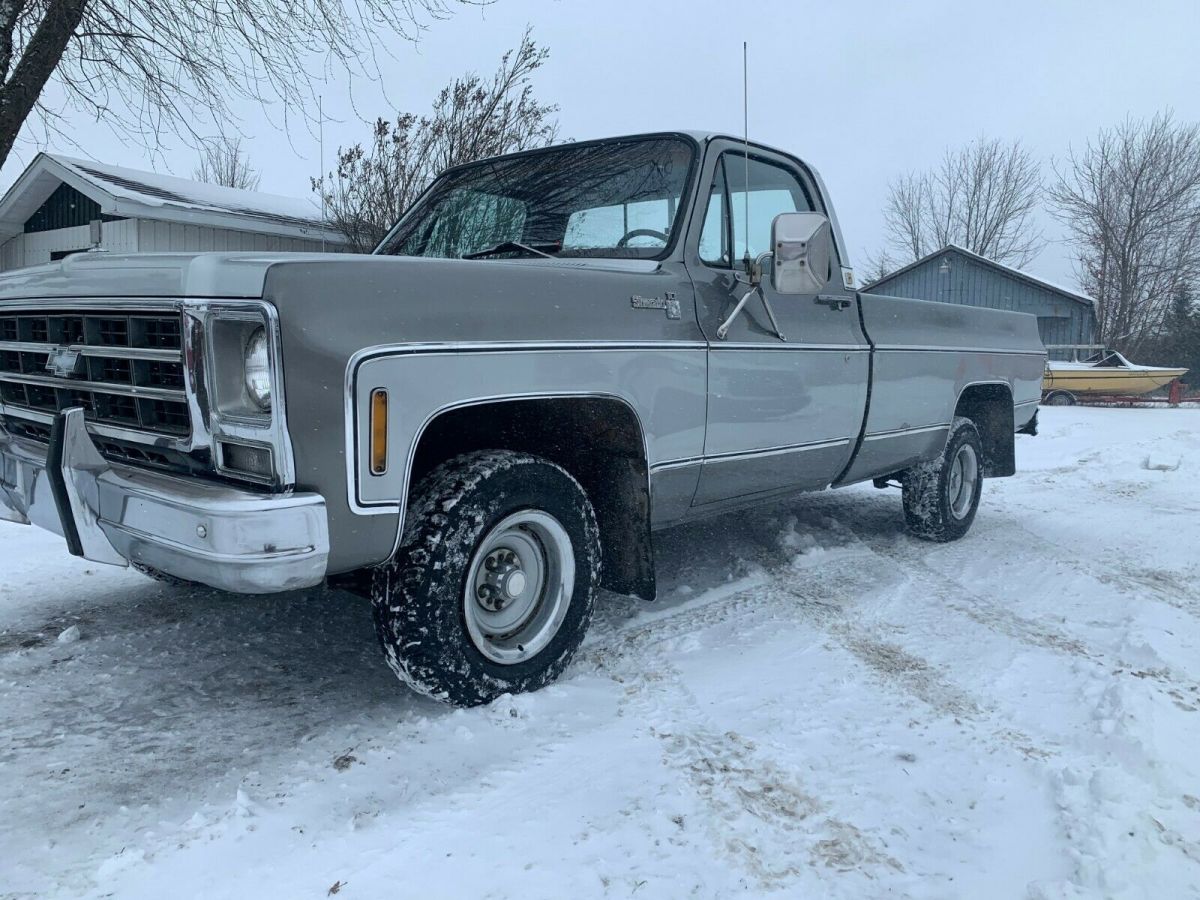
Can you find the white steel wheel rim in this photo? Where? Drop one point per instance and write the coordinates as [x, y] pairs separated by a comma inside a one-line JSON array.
[[519, 587], [964, 476]]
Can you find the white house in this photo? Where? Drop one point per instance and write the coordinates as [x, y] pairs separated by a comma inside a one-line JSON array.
[[58, 204]]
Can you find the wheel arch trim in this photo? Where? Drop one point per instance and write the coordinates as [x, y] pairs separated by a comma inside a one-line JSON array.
[[630, 564], [997, 382], [356, 360], [397, 507]]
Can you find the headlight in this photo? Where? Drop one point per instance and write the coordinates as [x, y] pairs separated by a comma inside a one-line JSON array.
[[258, 369]]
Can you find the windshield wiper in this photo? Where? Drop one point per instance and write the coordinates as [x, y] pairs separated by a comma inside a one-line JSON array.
[[510, 246]]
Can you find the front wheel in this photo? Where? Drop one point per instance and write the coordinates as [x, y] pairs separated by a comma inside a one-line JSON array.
[[495, 583], [941, 496]]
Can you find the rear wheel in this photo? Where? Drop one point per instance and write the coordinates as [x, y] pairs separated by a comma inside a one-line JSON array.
[[494, 586], [941, 496]]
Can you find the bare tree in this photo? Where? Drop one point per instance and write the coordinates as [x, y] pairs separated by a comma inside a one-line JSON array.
[[145, 65], [472, 118], [224, 162], [982, 197], [1131, 201], [875, 266]]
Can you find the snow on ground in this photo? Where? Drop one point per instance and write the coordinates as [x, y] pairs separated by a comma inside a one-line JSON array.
[[817, 705]]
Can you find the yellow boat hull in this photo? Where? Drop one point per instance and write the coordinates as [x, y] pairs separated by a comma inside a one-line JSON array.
[[1116, 381]]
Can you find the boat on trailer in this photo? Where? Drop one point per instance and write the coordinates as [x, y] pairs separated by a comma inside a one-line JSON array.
[[1107, 374]]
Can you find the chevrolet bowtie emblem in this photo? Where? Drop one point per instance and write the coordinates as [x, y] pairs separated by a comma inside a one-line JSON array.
[[63, 362]]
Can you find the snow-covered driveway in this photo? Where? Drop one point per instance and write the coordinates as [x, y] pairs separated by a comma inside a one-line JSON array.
[[817, 706]]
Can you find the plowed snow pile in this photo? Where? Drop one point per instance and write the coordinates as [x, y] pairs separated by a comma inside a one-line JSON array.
[[817, 706]]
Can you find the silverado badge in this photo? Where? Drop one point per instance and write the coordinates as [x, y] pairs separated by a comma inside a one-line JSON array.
[[669, 303]]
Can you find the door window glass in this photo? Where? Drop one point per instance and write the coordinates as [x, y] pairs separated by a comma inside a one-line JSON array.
[[714, 234], [772, 190]]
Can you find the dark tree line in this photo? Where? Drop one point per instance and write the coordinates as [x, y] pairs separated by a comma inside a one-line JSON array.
[[1178, 342]]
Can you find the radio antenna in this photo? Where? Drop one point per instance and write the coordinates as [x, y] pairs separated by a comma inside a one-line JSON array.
[[746, 148], [321, 142]]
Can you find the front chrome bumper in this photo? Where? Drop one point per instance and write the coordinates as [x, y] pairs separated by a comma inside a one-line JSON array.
[[230, 539]]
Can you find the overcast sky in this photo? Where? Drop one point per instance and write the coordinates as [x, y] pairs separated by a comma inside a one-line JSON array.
[[862, 90]]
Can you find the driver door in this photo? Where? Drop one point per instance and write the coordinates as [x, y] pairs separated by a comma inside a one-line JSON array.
[[783, 413]]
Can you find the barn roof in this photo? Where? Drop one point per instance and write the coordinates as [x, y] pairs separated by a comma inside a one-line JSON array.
[[149, 195], [1009, 271]]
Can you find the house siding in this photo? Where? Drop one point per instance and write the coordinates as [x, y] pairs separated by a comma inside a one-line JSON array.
[[145, 235], [1061, 319], [35, 248], [154, 236]]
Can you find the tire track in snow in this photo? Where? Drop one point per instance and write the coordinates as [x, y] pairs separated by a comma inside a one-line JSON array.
[[873, 521], [762, 817], [1179, 688], [826, 605], [1142, 584]]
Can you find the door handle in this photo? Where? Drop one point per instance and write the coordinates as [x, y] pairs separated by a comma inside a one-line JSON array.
[[833, 301]]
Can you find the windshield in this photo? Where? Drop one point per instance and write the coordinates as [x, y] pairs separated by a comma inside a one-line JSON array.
[[618, 198]]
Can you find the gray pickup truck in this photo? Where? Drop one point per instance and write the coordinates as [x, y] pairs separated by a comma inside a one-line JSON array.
[[552, 355]]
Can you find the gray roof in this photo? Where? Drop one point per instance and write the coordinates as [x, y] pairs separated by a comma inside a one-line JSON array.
[[990, 263], [149, 195]]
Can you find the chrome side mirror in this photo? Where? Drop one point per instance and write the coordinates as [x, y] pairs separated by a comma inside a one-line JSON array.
[[803, 249]]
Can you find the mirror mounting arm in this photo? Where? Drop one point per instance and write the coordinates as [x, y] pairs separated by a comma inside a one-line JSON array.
[[755, 281], [723, 328], [771, 315], [754, 270]]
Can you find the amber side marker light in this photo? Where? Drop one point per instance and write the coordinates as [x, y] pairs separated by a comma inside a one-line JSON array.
[[379, 427]]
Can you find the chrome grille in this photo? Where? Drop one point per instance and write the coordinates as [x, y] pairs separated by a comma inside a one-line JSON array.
[[124, 368]]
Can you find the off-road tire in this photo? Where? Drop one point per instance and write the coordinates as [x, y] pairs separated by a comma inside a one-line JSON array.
[[928, 504], [163, 577], [418, 597]]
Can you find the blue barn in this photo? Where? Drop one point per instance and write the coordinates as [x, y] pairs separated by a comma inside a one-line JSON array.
[[956, 275]]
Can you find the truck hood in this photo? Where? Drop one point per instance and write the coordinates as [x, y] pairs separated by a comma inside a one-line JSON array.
[[217, 275]]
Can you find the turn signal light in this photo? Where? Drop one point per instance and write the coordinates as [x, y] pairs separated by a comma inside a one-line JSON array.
[[379, 427]]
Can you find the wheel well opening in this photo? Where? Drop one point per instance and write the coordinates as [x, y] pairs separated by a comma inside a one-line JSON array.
[[597, 439], [990, 407]]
